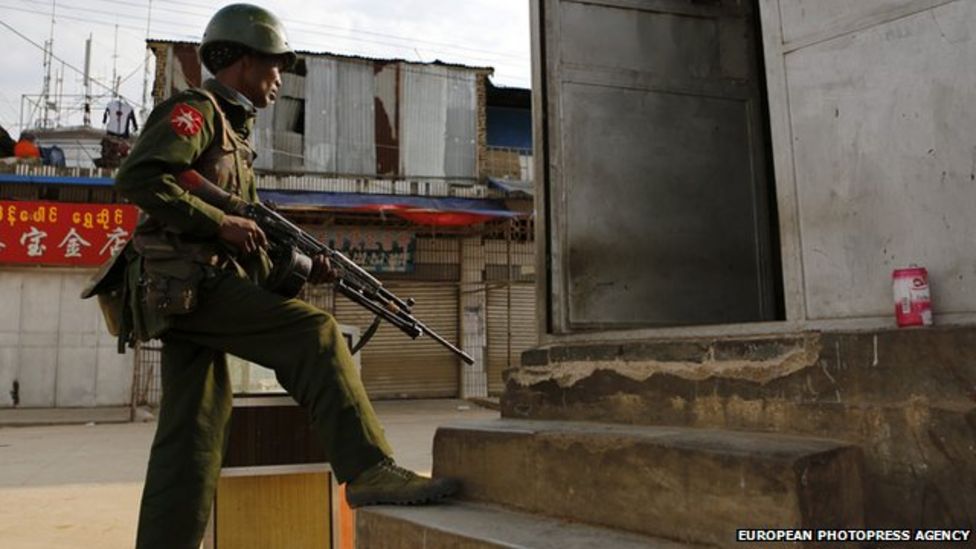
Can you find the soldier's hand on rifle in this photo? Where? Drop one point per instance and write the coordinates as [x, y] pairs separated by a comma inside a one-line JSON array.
[[322, 271], [242, 233]]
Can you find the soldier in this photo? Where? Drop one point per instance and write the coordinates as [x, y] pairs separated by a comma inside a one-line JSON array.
[[202, 302]]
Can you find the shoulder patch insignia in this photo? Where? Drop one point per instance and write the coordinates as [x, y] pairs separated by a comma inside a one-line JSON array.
[[186, 120]]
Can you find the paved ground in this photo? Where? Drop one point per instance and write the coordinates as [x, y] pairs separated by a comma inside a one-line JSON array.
[[78, 486]]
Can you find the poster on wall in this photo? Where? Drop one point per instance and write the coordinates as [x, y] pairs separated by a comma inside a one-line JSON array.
[[377, 251], [63, 233]]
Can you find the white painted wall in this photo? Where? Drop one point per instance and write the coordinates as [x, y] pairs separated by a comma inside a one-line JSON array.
[[55, 344], [873, 114]]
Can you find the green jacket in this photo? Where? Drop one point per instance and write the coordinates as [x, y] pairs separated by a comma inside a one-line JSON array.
[[167, 146], [176, 242]]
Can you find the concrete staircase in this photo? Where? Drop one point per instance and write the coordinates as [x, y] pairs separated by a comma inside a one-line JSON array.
[[538, 484], [680, 442], [474, 526]]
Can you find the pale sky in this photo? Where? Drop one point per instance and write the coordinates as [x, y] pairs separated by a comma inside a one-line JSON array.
[[491, 33]]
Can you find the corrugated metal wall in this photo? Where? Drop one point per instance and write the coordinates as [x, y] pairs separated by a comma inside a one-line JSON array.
[[262, 139], [356, 146], [288, 148], [339, 120], [386, 113], [438, 121], [393, 365], [461, 135], [320, 114], [511, 312], [423, 120], [361, 117], [509, 333]]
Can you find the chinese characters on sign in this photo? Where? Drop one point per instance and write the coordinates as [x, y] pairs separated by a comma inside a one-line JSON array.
[[376, 251], [63, 233]]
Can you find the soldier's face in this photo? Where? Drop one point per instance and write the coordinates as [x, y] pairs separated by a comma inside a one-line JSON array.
[[262, 79]]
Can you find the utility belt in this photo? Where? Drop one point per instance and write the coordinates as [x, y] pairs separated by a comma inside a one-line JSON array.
[[171, 270], [158, 276]]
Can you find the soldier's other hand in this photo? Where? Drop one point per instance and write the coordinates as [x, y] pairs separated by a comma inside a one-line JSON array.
[[322, 271], [242, 233]]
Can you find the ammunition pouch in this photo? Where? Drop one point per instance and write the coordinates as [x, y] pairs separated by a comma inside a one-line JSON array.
[[169, 277], [170, 285]]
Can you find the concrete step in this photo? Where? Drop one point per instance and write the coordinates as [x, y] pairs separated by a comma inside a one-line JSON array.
[[905, 396], [477, 526], [692, 485]]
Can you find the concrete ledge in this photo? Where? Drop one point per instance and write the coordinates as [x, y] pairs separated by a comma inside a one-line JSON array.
[[690, 485], [906, 397], [22, 417], [474, 526]]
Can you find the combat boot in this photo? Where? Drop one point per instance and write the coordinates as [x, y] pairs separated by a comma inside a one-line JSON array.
[[388, 483]]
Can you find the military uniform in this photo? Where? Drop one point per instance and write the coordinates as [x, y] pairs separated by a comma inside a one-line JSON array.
[[176, 280], [202, 302]]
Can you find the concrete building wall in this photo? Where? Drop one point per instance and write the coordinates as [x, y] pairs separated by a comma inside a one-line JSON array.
[[55, 345], [875, 150]]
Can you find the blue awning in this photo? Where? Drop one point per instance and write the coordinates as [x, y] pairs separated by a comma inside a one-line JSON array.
[[512, 186], [374, 202], [417, 209]]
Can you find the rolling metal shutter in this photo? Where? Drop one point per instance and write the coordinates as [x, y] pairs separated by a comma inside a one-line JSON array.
[[505, 345], [393, 365]]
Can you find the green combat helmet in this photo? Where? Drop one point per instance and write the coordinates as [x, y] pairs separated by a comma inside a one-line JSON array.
[[246, 25]]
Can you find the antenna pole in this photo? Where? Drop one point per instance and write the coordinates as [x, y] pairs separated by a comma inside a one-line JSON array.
[[48, 55], [59, 97], [144, 108], [88, 96], [115, 63]]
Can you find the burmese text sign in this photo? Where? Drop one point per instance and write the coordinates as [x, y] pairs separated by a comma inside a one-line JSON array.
[[63, 233]]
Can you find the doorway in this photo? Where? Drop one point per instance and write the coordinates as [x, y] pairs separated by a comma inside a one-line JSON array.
[[658, 185]]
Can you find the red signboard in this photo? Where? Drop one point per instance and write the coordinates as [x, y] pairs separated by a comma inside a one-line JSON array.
[[63, 233]]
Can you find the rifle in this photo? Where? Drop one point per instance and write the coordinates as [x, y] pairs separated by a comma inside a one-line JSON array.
[[352, 281]]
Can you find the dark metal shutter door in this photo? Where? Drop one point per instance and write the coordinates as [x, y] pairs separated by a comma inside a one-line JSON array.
[[395, 366], [523, 331], [686, 234]]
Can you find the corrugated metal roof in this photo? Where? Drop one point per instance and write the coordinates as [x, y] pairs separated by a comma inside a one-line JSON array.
[[435, 63]]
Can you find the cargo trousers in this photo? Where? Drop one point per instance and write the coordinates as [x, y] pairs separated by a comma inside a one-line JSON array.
[[306, 350]]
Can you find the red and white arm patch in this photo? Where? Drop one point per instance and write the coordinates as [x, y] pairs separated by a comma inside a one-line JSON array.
[[185, 120]]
